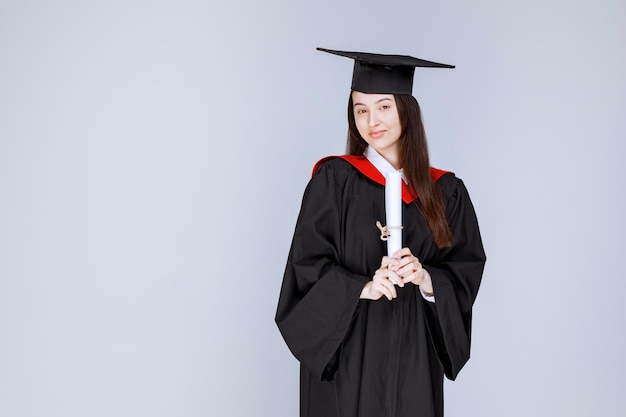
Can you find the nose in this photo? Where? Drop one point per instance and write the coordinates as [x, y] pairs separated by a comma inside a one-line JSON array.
[[372, 118]]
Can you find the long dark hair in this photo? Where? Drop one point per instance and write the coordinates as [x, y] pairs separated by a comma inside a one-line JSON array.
[[414, 162]]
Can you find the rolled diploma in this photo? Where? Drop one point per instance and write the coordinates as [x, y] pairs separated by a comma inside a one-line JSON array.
[[393, 211]]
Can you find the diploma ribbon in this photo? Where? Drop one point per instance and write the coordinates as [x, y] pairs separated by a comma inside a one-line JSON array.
[[384, 230]]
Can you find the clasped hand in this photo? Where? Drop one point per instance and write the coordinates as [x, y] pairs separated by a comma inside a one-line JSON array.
[[400, 269]]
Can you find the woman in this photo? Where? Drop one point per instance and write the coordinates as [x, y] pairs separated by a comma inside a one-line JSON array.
[[375, 334]]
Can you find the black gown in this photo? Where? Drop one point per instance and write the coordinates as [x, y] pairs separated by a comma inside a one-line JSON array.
[[364, 358]]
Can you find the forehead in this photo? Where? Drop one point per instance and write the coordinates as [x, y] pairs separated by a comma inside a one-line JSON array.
[[368, 99]]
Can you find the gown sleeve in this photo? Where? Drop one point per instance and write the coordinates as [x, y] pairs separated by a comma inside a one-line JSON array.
[[456, 276], [319, 297]]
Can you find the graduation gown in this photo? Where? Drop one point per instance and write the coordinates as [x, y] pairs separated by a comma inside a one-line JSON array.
[[364, 358]]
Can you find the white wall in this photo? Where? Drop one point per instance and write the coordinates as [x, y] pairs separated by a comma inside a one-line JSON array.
[[152, 160]]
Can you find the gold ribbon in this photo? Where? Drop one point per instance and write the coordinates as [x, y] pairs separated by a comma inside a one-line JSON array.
[[384, 230]]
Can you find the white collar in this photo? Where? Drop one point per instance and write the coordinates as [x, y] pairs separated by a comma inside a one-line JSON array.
[[380, 163]]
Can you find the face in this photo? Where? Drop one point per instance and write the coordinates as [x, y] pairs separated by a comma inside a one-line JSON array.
[[377, 120]]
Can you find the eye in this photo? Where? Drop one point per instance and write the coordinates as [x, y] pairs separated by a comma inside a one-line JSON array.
[[361, 111], [385, 107]]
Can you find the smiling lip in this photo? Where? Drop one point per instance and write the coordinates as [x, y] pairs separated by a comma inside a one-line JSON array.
[[376, 134]]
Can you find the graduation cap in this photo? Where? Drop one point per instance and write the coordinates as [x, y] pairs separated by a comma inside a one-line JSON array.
[[384, 74]]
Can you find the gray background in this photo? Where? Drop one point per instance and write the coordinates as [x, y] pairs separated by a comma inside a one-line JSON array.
[[153, 155]]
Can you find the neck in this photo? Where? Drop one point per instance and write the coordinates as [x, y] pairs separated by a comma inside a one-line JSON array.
[[382, 162], [392, 158]]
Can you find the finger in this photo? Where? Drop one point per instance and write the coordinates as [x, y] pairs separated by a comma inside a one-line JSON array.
[[407, 265], [387, 261], [402, 253], [392, 263], [408, 258], [386, 273], [395, 278], [410, 262], [416, 277], [391, 287], [382, 289], [384, 281], [392, 276], [409, 269], [387, 265]]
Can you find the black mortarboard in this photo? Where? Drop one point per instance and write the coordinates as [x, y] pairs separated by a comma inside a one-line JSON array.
[[384, 74]]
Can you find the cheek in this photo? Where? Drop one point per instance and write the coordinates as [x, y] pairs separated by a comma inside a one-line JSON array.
[[395, 122], [361, 126]]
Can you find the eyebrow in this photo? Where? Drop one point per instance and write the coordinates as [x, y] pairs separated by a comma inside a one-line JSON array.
[[362, 104]]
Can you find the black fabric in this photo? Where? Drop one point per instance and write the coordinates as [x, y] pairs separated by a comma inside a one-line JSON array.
[[374, 79], [363, 358]]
